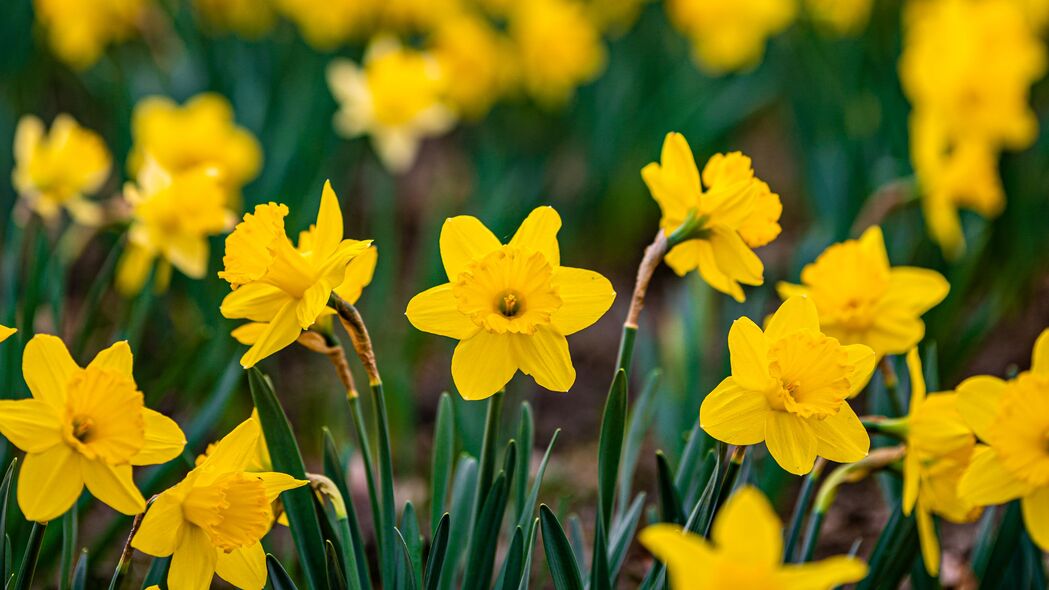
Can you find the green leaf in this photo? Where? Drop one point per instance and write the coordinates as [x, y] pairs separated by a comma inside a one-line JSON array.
[[510, 574], [486, 462], [336, 577], [405, 573], [79, 579], [158, 571], [610, 447], [298, 503], [526, 438], [559, 556], [355, 562], [413, 541], [600, 577], [443, 456], [438, 549], [577, 539], [638, 423], [485, 537], [669, 502], [5, 497], [464, 487], [529, 550], [623, 533], [527, 519], [994, 548], [893, 553], [388, 513], [69, 548], [278, 578], [24, 580]]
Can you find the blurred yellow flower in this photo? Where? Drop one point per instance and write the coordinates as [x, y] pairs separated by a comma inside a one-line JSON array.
[[1011, 418], [510, 306], [615, 16], [745, 551], [327, 24], [788, 387], [735, 213], [202, 132], [172, 217], [397, 98], [6, 332], [277, 284], [248, 18], [79, 31], [558, 48], [730, 35], [478, 58], [59, 169], [83, 426], [413, 16], [212, 521], [840, 17], [939, 447], [862, 300]]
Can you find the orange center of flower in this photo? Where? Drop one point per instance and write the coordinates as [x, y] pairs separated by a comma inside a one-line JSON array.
[[509, 290], [103, 416], [812, 371], [232, 510], [1020, 431]]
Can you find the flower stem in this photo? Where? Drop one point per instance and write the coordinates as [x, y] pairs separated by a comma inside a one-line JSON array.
[[892, 385], [727, 483], [124, 564], [32, 553], [486, 469], [801, 507]]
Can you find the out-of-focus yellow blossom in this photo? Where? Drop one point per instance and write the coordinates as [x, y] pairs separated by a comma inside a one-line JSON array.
[[58, 169], [735, 213], [1011, 418], [745, 551], [172, 217], [558, 47], [201, 132], [6, 332], [478, 58], [83, 426], [967, 67], [212, 521], [862, 300], [78, 31], [730, 35], [397, 98], [788, 387], [840, 17], [325, 25], [615, 16], [510, 306], [273, 282], [248, 18], [410, 16], [939, 447]]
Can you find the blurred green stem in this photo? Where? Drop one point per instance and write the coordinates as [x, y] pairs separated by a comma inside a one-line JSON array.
[[892, 385], [491, 440], [124, 564], [801, 508], [729, 481]]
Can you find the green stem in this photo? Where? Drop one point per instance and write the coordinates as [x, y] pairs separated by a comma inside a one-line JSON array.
[[369, 472], [812, 535], [124, 564], [24, 580], [727, 483], [69, 551], [486, 468], [389, 506], [801, 508], [892, 385], [626, 348]]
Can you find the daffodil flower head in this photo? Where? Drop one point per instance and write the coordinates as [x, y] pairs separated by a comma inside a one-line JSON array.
[[478, 57], [83, 426], [58, 169], [325, 25], [736, 213], [509, 305], [213, 520], [396, 97], [789, 387], [1011, 419], [275, 283], [79, 32], [843, 18], [730, 35], [745, 551], [861, 299]]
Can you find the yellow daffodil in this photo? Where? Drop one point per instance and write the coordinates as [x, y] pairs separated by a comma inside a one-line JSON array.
[[6, 332], [745, 551], [844, 18], [788, 387], [273, 282], [736, 212], [397, 98], [863, 300], [325, 25], [58, 169], [201, 133], [172, 217], [730, 35], [509, 305], [939, 447], [414, 16], [83, 426], [616, 17], [558, 47], [478, 57], [248, 18], [79, 31], [212, 521], [1011, 419]]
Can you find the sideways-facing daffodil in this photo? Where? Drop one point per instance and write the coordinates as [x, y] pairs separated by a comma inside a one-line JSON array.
[[1011, 419], [58, 169], [861, 299], [736, 212], [212, 521], [730, 35], [509, 305], [83, 426], [745, 551], [789, 387], [275, 283]]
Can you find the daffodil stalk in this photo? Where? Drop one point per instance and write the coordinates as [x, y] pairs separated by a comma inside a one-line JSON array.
[[801, 507], [892, 385], [124, 563], [727, 482]]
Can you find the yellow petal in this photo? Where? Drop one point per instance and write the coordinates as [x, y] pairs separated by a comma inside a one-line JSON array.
[[189, 254], [861, 361], [49, 483], [161, 529], [279, 333], [712, 274], [686, 555], [117, 358], [748, 353], [482, 365], [276, 483], [677, 160], [544, 355], [30, 424], [748, 530], [249, 333], [1036, 516], [916, 290], [312, 304], [133, 269], [257, 302], [734, 415], [359, 273], [113, 485], [329, 230], [977, 402], [193, 563], [6, 332], [895, 331], [787, 290], [47, 367], [463, 240], [986, 481], [872, 242], [796, 313], [538, 233], [734, 257], [244, 567], [841, 437], [1039, 356], [791, 442], [917, 375], [930, 543], [236, 450], [436, 311], [164, 439], [911, 480], [820, 575], [585, 297], [684, 257]]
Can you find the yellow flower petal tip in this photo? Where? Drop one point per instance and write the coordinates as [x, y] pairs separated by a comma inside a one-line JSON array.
[[789, 388], [509, 305], [6, 332]]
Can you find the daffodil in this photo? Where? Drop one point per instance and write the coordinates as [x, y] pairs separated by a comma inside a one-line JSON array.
[[83, 426], [789, 387], [415, 16], [616, 17], [844, 18], [273, 282], [509, 305], [58, 169], [736, 212], [478, 57], [863, 300], [79, 31], [248, 18], [745, 551], [1011, 419], [6, 332], [172, 217], [939, 447], [396, 97], [211, 522], [730, 35], [326, 24]]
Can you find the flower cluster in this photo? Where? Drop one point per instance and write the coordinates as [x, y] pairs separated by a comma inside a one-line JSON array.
[[730, 35]]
